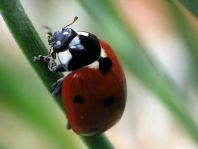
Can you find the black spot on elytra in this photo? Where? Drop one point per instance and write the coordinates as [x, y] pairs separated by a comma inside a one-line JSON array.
[[78, 100], [105, 64], [108, 101]]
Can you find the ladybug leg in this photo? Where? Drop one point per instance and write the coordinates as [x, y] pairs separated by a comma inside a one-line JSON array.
[[68, 125], [56, 87], [57, 68], [41, 58], [53, 67]]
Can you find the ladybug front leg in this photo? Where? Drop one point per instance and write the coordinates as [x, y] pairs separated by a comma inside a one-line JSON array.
[[56, 68], [41, 58], [52, 66]]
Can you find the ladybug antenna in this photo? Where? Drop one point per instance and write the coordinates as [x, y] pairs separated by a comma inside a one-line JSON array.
[[49, 33], [75, 19], [48, 29]]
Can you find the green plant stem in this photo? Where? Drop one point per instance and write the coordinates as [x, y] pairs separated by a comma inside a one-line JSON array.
[[31, 45], [100, 140], [191, 5]]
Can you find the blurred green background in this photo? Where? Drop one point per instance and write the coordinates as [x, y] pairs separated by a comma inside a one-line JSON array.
[[156, 43]]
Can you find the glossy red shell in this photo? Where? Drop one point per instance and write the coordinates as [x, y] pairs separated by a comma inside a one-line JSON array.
[[92, 117]]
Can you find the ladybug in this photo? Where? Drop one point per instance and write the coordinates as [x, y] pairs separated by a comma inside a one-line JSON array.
[[94, 90]]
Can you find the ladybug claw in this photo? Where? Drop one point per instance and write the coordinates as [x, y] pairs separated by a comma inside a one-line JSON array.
[[38, 58], [35, 58], [41, 58]]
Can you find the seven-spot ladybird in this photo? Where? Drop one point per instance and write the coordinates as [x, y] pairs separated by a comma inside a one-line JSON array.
[[94, 90]]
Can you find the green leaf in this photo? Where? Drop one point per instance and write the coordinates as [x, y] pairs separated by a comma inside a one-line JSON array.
[[191, 5], [188, 34]]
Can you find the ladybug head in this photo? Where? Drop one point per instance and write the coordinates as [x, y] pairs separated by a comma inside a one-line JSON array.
[[60, 40]]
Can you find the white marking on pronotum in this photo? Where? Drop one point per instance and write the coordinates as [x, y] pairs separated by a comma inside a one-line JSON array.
[[83, 33], [65, 33], [103, 53], [64, 57], [94, 65], [58, 42]]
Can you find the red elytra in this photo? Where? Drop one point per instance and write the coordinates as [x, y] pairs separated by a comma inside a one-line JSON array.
[[93, 101]]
